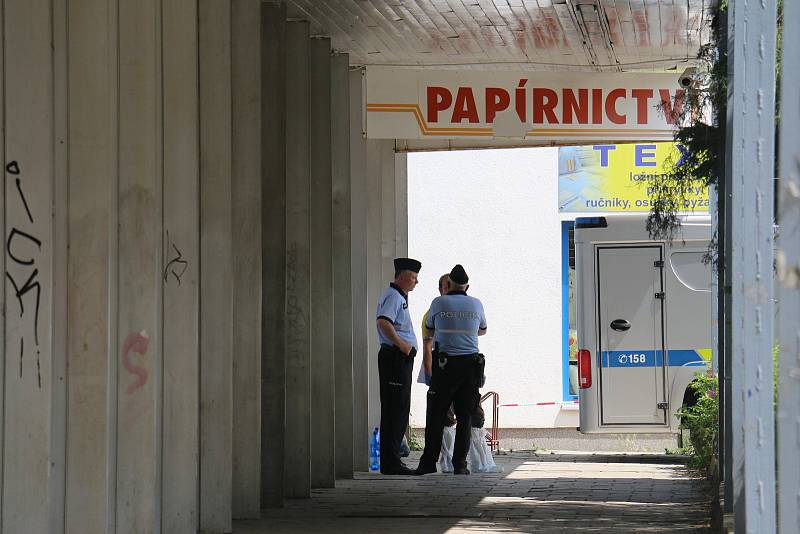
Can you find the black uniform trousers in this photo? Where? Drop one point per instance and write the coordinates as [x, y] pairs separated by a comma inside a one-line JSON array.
[[455, 380], [394, 373]]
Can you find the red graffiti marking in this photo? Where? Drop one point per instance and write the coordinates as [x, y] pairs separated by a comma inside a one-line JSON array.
[[139, 343]]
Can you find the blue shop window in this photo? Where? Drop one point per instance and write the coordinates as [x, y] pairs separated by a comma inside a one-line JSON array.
[[569, 343]]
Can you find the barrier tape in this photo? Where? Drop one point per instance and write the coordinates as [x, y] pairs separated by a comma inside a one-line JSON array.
[[515, 405]]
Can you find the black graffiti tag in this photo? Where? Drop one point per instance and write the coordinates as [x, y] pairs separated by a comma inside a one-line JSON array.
[[13, 168], [32, 283], [176, 266], [29, 285], [17, 232]]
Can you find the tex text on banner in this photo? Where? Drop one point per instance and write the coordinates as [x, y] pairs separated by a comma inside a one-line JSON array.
[[549, 107], [621, 178]]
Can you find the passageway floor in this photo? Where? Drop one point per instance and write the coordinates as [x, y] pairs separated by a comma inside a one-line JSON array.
[[534, 493]]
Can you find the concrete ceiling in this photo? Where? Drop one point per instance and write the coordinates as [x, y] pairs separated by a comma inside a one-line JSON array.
[[616, 35]]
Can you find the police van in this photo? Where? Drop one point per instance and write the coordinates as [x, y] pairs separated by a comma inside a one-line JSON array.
[[643, 321]]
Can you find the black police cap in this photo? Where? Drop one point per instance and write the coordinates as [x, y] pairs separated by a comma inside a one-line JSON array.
[[458, 275], [407, 264]]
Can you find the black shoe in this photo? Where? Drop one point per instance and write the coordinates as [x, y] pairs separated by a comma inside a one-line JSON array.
[[422, 470], [399, 470], [460, 471]]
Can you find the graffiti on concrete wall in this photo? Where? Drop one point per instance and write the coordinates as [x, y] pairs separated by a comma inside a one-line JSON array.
[[137, 342], [22, 248], [176, 266]]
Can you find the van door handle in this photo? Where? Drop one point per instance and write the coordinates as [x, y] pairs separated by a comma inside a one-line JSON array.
[[620, 325]]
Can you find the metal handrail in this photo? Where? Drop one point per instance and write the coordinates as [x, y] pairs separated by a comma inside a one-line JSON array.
[[493, 438]]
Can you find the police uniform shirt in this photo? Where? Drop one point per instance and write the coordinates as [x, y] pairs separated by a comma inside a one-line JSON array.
[[455, 319], [426, 334], [393, 306], [422, 376]]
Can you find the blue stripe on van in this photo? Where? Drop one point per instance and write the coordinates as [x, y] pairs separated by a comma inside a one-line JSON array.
[[650, 358]]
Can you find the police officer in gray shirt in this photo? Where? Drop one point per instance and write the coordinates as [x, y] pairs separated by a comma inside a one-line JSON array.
[[456, 320], [395, 363]]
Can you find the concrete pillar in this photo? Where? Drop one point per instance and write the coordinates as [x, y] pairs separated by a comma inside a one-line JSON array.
[[342, 278], [401, 204], [376, 274], [139, 260], [381, 247], [752, 128], [273, 242], [383, 207], [323, 472], [216, 409], [181, 269], [388, 209], [246, 198], [93, 175], [358, 240], [298, 343]]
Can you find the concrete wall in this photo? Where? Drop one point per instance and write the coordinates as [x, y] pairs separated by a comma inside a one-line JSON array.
[[496, 212], [145, 364]]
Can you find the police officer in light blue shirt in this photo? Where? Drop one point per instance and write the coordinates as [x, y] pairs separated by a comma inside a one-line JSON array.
[[456, 320], [395, 363]]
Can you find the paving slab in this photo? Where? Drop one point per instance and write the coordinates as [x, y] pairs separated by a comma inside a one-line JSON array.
[[590, 494]]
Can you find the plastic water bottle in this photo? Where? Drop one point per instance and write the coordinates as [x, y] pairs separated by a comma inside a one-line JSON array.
[[375, 451]]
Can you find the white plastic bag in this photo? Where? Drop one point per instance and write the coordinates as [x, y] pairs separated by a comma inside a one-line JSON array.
[[446, 456], [480, 455]]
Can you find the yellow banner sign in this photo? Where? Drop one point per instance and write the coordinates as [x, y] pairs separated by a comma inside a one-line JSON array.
[[623, 178]]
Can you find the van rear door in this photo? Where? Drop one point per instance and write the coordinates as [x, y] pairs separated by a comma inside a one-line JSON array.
[[631, 335]]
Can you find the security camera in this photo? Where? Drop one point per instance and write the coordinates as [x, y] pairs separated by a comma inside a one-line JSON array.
[[688, 78]]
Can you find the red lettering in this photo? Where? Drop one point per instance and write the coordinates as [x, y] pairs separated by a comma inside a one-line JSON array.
[[465, 107], [611, 106], [579, 107], [497, 99], [519, 100], [544, 104], [439, 99], [672, 108], [597, 106], [641, 96]]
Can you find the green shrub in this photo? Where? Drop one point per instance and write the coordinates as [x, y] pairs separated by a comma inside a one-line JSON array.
[[702, 420], [414, 442]]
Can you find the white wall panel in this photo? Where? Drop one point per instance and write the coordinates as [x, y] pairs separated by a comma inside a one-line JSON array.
[[507, 235]]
